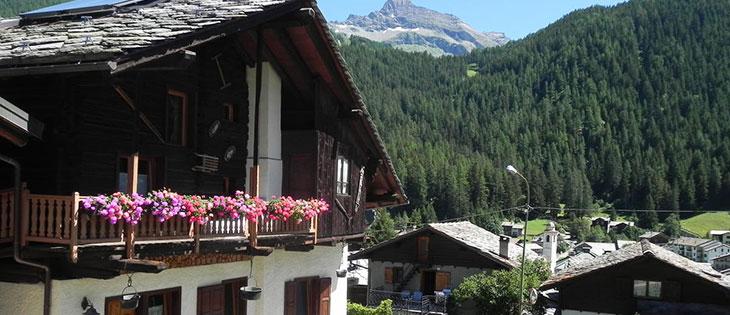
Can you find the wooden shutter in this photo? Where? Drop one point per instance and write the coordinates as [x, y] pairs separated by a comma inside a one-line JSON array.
[[211, 300], [423, 249], [442, 280], [388, 275], [312, 296], [290, 298], [671, 291], [325, 285]]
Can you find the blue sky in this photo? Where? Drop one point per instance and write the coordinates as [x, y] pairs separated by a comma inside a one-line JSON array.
[[516, 18]]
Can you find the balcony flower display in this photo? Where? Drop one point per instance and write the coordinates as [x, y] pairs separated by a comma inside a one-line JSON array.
[[117, 206], [165, 204]]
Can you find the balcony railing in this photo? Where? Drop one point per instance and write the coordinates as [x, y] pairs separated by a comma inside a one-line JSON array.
[[407, 303], [55, 219]]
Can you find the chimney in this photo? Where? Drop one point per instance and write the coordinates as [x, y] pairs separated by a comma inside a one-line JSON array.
[[504, 245]]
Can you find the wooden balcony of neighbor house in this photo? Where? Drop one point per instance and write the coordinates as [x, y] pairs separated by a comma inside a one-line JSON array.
[[57, 220]]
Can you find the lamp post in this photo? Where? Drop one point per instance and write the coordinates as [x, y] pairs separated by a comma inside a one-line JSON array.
[[514, 171]]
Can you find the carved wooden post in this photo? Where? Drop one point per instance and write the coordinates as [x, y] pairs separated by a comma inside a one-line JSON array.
[[129, 229], [24, 215], [73, 222], [253, 231]]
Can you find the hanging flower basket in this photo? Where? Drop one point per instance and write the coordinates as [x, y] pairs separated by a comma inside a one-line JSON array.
[[130, 301], [250, 293]]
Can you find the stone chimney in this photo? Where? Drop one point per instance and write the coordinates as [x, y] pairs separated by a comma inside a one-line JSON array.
[[504, 245]]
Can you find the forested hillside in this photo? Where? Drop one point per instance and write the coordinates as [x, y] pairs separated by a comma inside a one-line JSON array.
[[625, 105], [9, 8]]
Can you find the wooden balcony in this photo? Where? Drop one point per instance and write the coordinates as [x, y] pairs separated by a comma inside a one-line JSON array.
[[57, 220]]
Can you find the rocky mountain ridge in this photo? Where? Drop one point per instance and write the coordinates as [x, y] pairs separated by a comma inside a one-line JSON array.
[[404, 25]]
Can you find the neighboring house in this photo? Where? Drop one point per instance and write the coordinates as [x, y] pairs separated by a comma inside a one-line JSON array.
[[204, 97], [513, 229], [611, 225], [722, 236], [437, 257], [641, 278], [586, 251], [721, 263], [600, 248], [655, 237], [698, 249]]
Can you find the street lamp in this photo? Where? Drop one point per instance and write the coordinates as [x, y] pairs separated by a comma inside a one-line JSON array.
[[514, 171]]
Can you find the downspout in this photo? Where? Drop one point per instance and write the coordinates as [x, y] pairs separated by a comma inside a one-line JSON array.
[[16, 239]]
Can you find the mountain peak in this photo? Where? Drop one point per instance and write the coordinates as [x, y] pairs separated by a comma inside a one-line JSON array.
[[394, 5], [404, 25]]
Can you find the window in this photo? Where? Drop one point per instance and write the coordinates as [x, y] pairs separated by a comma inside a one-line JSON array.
[[177, 113], [343, 176], [307, 296], [162, 302], [222, 298], [229, 112], [647, 289], [145, 175]]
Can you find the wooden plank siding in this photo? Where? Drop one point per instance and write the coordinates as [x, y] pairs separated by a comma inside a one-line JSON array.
[[611, 290], [90, 125]]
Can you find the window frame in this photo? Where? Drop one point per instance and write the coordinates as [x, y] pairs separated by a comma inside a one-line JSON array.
[[152, 172], [342, 177], [647, 289], [230, 111], [183, 120]]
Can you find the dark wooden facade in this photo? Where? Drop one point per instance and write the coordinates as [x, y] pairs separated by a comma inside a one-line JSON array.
[[610, 290], [96, 117]]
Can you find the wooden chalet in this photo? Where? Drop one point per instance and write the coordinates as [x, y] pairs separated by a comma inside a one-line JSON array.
[[203, 97], [641, 278], [429, 262]]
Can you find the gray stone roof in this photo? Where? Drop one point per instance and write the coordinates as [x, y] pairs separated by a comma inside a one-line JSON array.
[[137, 27], [478, 238], [703, 243], [643, 248], [467, 234]]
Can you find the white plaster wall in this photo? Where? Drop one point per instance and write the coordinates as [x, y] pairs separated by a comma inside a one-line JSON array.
[[574, 312], [271, 171], [274, 271], [377, 275], [22, 298], [270, 273]]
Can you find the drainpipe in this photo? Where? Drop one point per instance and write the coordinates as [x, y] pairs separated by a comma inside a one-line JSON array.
[[16, 239]]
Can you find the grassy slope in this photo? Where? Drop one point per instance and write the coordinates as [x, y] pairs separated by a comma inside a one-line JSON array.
[[536, 227], [703, 223]]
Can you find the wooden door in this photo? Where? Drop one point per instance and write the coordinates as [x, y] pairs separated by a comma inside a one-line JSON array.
[[211, 300], [443, 280]]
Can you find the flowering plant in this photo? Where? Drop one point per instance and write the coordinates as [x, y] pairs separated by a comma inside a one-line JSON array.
[[165, 204], [118, 206]]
